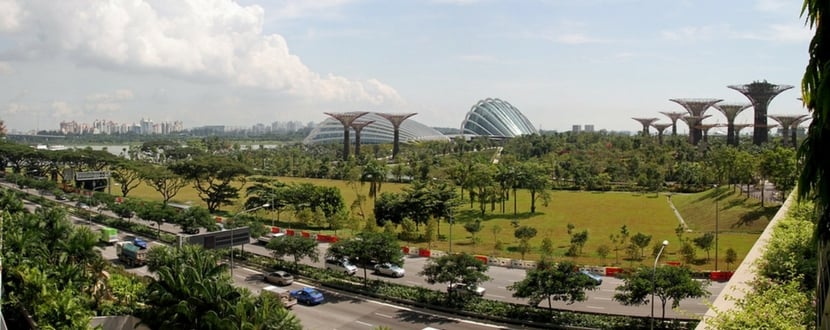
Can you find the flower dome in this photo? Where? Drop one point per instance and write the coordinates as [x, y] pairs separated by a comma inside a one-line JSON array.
[[497, 118]]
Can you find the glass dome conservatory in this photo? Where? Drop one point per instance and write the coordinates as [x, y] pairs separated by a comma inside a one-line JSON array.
[[381, 131], [497, 118]]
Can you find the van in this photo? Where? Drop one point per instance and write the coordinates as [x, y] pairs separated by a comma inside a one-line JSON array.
[[342, 266], [283, 294]]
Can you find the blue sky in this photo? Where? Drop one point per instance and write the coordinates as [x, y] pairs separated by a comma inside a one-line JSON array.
[[560, 62]]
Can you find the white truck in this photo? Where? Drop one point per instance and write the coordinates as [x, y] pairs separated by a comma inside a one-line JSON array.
[[285, 295]]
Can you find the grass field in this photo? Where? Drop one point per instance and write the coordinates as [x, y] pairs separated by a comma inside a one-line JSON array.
[[741, 220]]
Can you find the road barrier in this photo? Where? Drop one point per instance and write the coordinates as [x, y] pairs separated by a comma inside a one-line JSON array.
[[405, 249], [424, 253], [613, 271], [289, 232], [720, 276], [482, 258]]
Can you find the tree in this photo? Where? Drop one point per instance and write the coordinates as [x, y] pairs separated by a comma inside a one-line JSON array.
[[687, 250], [128, 175], [603, 251], [554, 282], [195, 217], [374, 173], [481, 178], [670, 284], [431, 234], [705, 242], [524, 234], [731, 257], [578, 241], [473, 228], [213, 177], [455, 268], [164, 181], [367, 249], [296, 246], [535, 177], [547, 247], [814, 181], [641, 240]]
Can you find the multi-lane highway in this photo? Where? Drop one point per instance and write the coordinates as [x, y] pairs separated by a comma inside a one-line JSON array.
[[599, 301]]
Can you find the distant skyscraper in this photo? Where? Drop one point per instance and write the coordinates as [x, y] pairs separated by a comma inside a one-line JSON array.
[[576, 128], [589, 128]]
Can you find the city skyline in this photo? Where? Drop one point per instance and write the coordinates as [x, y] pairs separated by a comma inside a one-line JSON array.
[[596, 62]]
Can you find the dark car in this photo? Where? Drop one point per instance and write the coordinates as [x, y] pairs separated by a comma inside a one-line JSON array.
[[308, 296], [191, 231], [140, 243]]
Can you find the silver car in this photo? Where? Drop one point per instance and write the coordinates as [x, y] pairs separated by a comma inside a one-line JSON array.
[[389, 270], [462, 288], [279, 277]]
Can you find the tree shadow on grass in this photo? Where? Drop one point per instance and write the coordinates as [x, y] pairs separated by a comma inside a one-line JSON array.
[[470, 215], [751, 217]]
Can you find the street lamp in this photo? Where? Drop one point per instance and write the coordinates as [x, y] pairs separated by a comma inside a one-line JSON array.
[[450, 218], [717, 219], [233, 231], [653, 280]]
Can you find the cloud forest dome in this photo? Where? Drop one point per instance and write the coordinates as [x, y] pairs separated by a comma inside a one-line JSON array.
[[494, 117], [381, 131]]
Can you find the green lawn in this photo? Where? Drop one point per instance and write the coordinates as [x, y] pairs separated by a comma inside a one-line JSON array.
[[741, 220]]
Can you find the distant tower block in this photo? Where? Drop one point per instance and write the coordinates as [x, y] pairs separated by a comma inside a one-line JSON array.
[[346, 118], [693, 122], [786, 122], [396, 120], [660, 128], [646, 124], [794, 130], [696, 107], [731, 111], [674, 116], [760, 93], [358, 126], [738, 128], [705, 129]]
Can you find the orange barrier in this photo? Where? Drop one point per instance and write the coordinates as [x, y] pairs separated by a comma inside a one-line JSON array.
[[612, 271], [332, 239], [405, 249], [423, 253], [275, 229], [673, 263], [305, 234], [322, 238], [482, 258], [219, 219], [720, 276]]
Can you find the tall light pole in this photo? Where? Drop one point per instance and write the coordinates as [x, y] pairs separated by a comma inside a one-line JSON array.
[[654, 280], [449, 213], [717, 220], [233, 231]]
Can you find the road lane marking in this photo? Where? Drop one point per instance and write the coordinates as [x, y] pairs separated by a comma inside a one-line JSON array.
[[601, 298], [595, 307], [413, 282], [364, 323], [497, 296], [384, 315]]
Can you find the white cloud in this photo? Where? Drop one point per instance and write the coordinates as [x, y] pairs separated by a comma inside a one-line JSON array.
[[108, 102], [694, 33], [210, 40], [61, 109], [773, 32], [16, 107], [10, 15], [304, 8], [782, 33], [5, 68], [772, 5]]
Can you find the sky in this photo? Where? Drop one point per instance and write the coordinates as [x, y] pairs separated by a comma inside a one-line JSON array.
[[239, 63]]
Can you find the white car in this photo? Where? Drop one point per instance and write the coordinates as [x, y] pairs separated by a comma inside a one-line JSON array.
[[389, 270], [341, 266], [462, 288], [279, 277], [268, 237]]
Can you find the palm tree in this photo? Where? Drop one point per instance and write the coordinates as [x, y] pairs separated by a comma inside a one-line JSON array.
[[374, 172], [815, 180]]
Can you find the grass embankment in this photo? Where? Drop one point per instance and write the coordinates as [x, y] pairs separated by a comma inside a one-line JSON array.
[[741, 220]]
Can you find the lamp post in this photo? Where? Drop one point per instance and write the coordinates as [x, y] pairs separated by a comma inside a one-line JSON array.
[[717, 220], [450, 218], [654, 280], [233, 231]]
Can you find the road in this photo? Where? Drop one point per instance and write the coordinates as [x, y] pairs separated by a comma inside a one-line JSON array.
[[599, 301]]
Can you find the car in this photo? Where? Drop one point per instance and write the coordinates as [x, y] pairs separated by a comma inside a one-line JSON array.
[[308, 296], [140, 243], [82, 206], [596, 278], [341, 265], [279, 277], [264, 239], [389, 270], [462, 288], [191, 231], [60, 197]]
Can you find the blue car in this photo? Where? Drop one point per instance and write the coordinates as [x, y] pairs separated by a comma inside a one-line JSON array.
[[596, 278], [140, 243], [308, 296]]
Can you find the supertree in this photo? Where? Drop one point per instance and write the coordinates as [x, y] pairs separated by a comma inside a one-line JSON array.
[[696, 107], [731, 111], [705, 129], [786, 123], [396, 120], [794, 130], [694, 122], [358, 126], [346, 118], [674, 116], [660, 127], [760, 93], [646, 124]]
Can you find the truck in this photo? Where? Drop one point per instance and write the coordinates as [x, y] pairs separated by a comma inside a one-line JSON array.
[[285, 296], [109, 235], [130, 254]]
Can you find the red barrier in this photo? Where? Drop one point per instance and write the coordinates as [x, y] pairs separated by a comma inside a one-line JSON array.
[[275, 229], [612, 271], [482, 258], [332, 239], [289, 232], [218, 219], [322, 238], [673, 263], [423, 253], [305, 234], [720, 276], [405, 249]]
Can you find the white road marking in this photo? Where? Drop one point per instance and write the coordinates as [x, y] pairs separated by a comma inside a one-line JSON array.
[[601, 298], [496, 296], [595, 307], [384, 315], [413, 282], [364, 323], [502, 287]]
